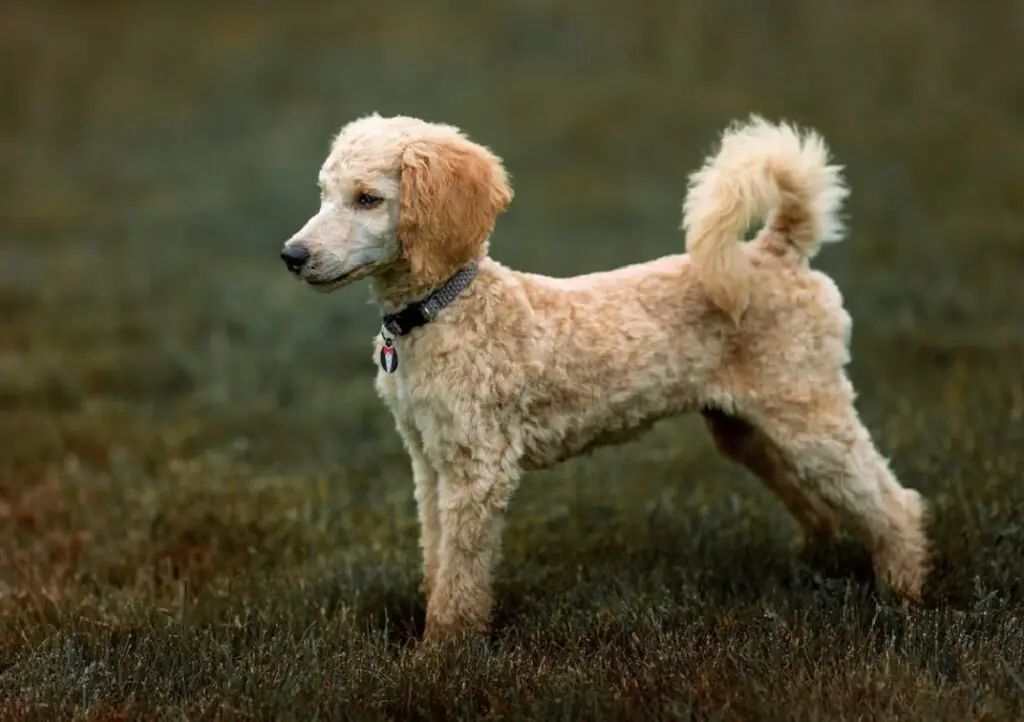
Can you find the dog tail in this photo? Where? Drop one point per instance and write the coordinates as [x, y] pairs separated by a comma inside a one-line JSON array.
[[761, 170]]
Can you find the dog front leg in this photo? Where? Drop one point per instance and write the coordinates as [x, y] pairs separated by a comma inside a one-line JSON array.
[[471, 502], [425, 481], [425, 491]]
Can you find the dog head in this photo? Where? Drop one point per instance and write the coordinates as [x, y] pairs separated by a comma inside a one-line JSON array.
[[399, 195]]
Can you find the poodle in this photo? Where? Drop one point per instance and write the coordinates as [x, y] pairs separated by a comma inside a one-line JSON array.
[[491, 372]]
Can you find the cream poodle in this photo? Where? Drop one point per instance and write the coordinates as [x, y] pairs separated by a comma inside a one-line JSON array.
[[490, 372]]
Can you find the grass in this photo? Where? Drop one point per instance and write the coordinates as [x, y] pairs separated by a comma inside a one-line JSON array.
[[205, 512]]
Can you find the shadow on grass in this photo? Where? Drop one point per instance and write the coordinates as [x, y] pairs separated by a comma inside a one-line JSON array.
[[398, 614]]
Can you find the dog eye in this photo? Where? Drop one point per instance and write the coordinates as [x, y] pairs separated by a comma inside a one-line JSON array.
[[365, 200]]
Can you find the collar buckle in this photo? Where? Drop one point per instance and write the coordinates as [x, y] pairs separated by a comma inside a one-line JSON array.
[[420, 313]]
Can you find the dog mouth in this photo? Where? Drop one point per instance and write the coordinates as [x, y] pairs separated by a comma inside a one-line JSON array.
[[329, 284]]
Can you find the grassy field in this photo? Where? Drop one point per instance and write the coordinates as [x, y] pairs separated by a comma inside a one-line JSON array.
[[205, 512]]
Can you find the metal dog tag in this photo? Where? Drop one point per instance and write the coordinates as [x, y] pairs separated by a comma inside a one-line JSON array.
[[388, 356]]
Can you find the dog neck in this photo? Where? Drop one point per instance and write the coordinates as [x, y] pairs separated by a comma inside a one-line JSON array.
[[400, 315]]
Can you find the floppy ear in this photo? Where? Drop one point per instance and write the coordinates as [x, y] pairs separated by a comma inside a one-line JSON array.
[[452, 191]]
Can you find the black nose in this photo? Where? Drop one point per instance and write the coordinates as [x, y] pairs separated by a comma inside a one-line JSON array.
[[294, 257]]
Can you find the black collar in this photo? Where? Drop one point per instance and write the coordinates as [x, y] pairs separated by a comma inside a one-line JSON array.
[[419, 313]]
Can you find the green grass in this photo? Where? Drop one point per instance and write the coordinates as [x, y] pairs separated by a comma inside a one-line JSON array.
[[205, 512]]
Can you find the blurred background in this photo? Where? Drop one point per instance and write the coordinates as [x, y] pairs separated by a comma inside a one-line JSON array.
[[154, 157]]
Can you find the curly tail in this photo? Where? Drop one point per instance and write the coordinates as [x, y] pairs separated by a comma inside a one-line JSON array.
[[761, 169]]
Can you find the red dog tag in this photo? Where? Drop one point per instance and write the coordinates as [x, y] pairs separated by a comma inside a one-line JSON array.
[[388, 357]]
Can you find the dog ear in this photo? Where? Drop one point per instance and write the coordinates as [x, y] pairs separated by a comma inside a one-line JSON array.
[[452, 192]]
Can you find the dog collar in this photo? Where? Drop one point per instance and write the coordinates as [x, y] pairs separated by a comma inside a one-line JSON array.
[[420, 313]]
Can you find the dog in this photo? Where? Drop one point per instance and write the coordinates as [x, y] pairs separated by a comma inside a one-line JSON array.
[[490, 372]]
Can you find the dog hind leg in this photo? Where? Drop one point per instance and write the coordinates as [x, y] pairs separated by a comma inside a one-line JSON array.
[[832, 454], [746, 445]]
